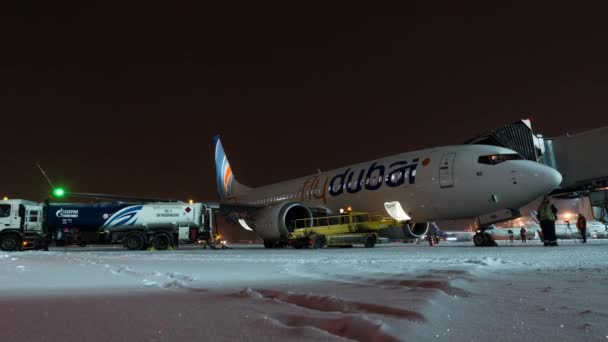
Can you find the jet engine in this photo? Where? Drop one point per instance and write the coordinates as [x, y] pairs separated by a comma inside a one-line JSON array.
[[417, 230], [408, 230], [275, 222]]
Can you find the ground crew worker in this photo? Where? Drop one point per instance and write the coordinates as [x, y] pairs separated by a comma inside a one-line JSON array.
[[581, 224], [547, 214], [522, 232], [510, 232]]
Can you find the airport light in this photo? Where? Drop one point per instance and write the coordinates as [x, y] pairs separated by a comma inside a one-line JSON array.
[[59, 192], [5, 198], [567, 216], [191, 202]]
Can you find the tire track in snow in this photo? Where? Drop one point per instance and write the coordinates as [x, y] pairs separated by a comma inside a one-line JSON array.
[[352, 323], [335, 304], [167, 280], [430, 280], [350, 327]]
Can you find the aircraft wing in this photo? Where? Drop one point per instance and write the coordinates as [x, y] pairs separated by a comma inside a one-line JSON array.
[[243, 208]]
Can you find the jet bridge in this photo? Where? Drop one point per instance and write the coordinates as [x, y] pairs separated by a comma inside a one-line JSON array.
[[577, 157]]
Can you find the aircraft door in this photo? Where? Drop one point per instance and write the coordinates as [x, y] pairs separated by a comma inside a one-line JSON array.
[[446, 170]]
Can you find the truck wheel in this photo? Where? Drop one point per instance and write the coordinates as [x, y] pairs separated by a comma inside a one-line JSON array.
[[319, 242], [161, 242], [10, 243], [134, 242], [370, 241]]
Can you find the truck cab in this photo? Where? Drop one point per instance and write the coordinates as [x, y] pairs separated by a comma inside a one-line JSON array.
[[21, 225]]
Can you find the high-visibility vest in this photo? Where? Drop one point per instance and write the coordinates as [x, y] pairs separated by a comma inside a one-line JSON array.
[[545, 212]]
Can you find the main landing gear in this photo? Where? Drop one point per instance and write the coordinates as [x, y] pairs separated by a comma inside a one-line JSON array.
[[483, 239]]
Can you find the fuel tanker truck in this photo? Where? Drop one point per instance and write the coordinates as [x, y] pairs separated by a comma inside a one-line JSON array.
[[30, 225]]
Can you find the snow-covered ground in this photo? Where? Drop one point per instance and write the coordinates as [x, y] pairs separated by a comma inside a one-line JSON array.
[[392, 292]]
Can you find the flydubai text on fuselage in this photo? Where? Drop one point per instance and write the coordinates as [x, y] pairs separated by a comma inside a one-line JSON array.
[[452, 182]]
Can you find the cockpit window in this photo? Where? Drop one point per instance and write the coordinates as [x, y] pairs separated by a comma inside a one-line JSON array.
[[5, 210], [498, 158]]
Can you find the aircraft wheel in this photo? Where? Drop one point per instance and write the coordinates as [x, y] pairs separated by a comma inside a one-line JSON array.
[[161, 242], [478, 240], [370, 241], [269, 243], [319, 242], [134, 242], [10, 243], [487, 240]]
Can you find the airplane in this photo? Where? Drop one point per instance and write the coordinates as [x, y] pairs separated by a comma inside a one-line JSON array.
[[441, 183]]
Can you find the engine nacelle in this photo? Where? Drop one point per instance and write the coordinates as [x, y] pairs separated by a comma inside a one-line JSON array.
[[407, 231], [417, 230], [277, 221]]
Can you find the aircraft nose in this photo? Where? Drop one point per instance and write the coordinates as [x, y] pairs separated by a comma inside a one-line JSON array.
[[545, 178]]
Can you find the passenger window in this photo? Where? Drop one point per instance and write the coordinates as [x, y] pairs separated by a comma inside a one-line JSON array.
[[5, 210]]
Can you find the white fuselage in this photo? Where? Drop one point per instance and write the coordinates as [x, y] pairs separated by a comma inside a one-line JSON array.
[[433, 184]]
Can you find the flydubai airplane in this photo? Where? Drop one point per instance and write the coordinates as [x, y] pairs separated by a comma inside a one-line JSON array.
[[442, 183]]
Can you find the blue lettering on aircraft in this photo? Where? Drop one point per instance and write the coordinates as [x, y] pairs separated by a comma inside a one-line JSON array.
[[372, 178]]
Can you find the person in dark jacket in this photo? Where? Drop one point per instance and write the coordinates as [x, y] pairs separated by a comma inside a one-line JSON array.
[[581, 224], [522, 233], [547, 214]]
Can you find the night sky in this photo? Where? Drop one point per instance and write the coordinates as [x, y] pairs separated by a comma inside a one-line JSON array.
[[126, 99]]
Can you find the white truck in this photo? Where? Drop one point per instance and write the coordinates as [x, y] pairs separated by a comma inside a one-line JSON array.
[[30, 225]]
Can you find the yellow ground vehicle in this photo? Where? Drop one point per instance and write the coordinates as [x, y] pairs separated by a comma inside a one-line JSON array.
[[342, 230]]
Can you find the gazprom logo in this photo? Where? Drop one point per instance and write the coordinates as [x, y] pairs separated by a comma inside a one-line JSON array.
[[372, 178], [69, 213]]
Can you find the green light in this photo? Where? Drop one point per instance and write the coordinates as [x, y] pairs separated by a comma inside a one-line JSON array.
[[59, 192]]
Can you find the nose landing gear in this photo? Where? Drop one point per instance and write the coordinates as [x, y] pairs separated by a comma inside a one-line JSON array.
[[483, 239]]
